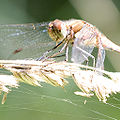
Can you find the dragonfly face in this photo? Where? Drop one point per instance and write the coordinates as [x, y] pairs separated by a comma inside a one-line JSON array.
[[54, 30]]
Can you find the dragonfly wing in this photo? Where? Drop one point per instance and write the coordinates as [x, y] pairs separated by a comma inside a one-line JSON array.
[[85, 34], [19, 41], [80, 52]]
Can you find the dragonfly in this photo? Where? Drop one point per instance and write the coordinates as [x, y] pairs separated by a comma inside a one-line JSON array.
[[84, 37], [20, 41]]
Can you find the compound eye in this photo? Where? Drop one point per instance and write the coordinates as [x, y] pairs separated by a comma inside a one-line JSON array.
[[57, 24]]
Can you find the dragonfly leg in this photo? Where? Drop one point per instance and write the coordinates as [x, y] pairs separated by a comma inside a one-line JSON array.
[[101, 56], [88, 54], [49, 51], [66, 53], [60, 51]]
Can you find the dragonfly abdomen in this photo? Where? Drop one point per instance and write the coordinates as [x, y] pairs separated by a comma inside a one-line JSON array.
[[107, 44]]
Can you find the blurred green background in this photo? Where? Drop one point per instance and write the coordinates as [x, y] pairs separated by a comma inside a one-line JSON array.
[[51, 103]]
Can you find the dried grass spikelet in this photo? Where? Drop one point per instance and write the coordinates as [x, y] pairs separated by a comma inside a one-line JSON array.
[[86, 78], [5, 82], [34, 72], [30, 72], [91, 82]]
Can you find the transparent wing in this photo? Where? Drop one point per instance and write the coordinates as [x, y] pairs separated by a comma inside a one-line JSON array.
[[24, 40], [82, 47], [80, 53]]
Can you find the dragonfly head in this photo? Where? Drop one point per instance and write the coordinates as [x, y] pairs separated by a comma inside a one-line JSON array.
[[57, 30]]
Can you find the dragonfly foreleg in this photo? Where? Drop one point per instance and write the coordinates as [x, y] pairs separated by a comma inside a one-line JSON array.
[[49, 51], [60, 51]]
